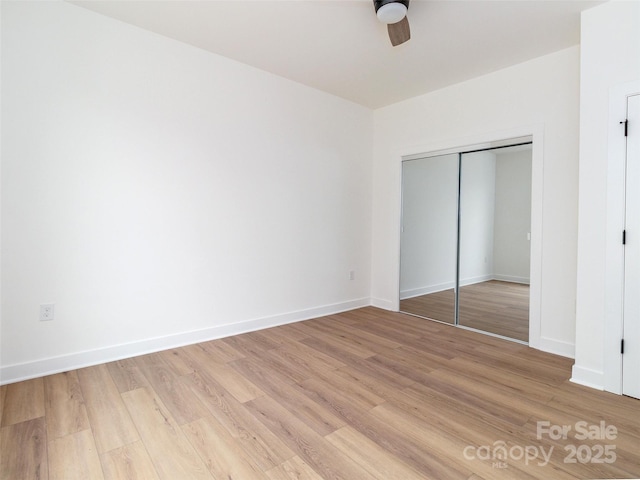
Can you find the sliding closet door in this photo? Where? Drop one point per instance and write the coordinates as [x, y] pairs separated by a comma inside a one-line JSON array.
[[495, 226], [429, 237]]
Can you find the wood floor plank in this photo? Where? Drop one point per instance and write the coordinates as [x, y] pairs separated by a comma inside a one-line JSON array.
[[221, 352], [380, 432], [287, 371], [266, 449], [399, 366], [355, 362], [513, 406], [250, 344], [23, 451], [626, 408], [314, 386], [468, 424], [130, 462], [178, 360], [221, 453], [23, 401], [400, 333], [346, 318], [321, 420], [353, 342], [360, 396], [379, 463], [275, 336], [306, 361], [293, 469], [409, 322], [368, 382], [183, 404], [367, 314], [445, 445], [3, 393], [323, 458], [368, 340], [517, 363], [110, 421], [285, 331], [237, 385], [64, 405], [339, 348], [290, 370], [126, 375], [520, 385], [74, 457], [467, 401], [170, 451]]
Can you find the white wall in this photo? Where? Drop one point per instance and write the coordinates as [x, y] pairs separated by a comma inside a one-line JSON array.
[[610, 57], [512, 247], [159, 194], [539, 97]]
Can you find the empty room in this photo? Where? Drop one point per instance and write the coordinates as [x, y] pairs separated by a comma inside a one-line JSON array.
[[320, 239]]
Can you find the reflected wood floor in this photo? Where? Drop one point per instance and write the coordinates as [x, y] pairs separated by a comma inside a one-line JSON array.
[[438, 306], [366, 394], [493, 306]]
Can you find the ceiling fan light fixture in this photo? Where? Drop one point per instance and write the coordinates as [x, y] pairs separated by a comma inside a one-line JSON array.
[[392, 12]]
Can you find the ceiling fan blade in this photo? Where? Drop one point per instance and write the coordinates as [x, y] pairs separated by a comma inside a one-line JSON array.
[[399, 32]]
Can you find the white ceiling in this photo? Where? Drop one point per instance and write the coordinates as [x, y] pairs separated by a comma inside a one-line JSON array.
[[338, 46]]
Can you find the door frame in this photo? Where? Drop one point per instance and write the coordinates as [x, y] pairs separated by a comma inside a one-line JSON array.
[[615, 211]]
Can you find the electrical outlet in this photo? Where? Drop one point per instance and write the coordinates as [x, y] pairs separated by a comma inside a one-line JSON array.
[[352, 275], [46, 312]]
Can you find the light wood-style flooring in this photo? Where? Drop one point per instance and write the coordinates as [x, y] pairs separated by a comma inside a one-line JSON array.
[[365, 394], [493, 306]]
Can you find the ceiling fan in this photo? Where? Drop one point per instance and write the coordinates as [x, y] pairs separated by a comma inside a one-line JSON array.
[[394, 14]]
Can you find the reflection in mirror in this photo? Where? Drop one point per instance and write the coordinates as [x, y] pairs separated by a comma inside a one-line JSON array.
[[495, 226], [429, 237]]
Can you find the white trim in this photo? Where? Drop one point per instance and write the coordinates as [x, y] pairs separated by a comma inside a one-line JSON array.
[[48, 366], [614, 252], [587, 377], [564, 349], [512, 279], [536, 135], [384, 304]]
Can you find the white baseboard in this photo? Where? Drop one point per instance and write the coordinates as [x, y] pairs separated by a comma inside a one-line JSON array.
[[384, 304], [72, 361], [511, 279], [549, 345], [587, 377]]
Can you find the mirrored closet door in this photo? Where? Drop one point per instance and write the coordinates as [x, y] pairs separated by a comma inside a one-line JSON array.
[[465, 240]]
